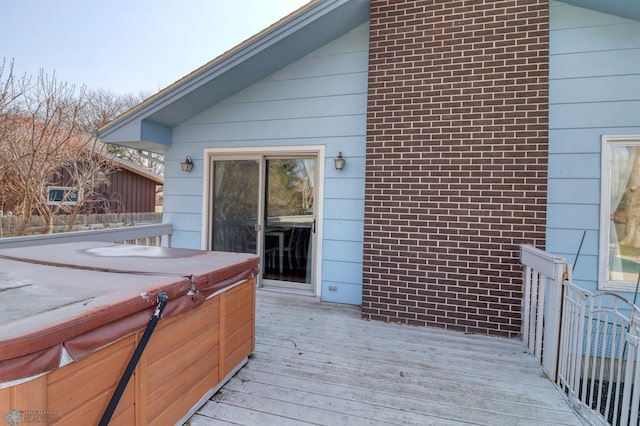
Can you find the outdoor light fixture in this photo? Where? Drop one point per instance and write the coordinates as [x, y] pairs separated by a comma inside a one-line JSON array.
[[187, 164], [339, 162]]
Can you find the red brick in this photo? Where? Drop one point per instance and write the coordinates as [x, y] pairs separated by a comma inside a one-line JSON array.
[[457, 136]]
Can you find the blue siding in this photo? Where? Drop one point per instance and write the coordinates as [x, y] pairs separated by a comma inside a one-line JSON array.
[[568, 240], [575, 216], [320, 99], [594, 91], [585, 191], [343, 209], [569, 141], [341, 272], [187, 222], [593, 114], [344, 293], [593, 63], [575, 165], [344, 230], [611, 88], [287, 130], [183, 204], [343, 188], [327, 107], [342, 251]]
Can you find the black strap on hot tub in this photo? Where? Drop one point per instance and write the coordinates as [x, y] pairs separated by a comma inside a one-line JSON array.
[[122, 385]]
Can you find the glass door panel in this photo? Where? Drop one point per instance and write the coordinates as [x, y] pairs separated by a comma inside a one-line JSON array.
[[289, 221], [235, 205]]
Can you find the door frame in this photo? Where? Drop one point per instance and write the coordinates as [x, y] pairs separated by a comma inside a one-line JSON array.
[[265, 151]]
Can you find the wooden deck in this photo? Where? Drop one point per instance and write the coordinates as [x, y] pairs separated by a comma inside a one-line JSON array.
[[320, 363]]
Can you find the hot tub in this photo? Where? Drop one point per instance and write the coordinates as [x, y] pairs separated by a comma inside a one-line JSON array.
[[71, 316]]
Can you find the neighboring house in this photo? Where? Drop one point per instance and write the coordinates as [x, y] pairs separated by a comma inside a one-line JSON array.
[[131, 189], [467, 129], [135, 187]]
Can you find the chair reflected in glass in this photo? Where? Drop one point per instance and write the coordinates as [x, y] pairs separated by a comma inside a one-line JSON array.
[[285, 253], [274, 248]]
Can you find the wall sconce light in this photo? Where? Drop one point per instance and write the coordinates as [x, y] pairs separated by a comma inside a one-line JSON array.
[[339, 162], [187, 164]]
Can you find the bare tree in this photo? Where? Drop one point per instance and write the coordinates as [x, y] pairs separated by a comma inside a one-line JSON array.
[[47, 137], [9, 97], [39, 119]]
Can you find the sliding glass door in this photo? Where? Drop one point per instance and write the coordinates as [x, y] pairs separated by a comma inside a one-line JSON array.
[[266, 205]]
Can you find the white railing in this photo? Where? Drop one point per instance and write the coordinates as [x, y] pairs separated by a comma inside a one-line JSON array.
[[587, 343], [149, 235], [542, 291], [598, 364]]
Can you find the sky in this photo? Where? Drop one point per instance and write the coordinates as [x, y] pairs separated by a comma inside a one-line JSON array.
[[128, 46]]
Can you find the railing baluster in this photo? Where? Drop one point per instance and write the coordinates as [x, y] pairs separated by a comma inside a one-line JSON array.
[[526, 304], [618, 361], [565, 337], [576, 345], [586, 384], [603, 366], [633, 371], [540, 316], [534, 313]]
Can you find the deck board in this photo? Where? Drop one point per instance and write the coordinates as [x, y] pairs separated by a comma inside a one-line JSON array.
[[320, 363]]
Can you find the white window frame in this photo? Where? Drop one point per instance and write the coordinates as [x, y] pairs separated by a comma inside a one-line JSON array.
[[70, 195], [608, 142]]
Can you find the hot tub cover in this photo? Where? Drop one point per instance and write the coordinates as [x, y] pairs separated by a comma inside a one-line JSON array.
[[87, 295]]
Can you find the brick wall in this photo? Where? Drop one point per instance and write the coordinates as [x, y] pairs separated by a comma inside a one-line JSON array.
[[456, 160]]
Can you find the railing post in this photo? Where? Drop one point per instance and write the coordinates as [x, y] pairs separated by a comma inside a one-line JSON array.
[[553, 317], [165, 240], [542, 301]]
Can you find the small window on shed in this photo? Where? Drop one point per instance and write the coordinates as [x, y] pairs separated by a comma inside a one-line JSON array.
[[62, 195]]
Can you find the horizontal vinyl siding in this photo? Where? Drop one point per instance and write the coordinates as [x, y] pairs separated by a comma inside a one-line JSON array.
[[318, 100], [281, 131], [594, 114], [585, 191], [615, 89], [595, 63], [594, 90]]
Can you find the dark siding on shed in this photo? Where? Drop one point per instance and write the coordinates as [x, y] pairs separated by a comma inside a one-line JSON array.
[[135, 193]]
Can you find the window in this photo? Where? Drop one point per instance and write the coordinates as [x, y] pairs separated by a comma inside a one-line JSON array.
[[620, 213], [62, 195]]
